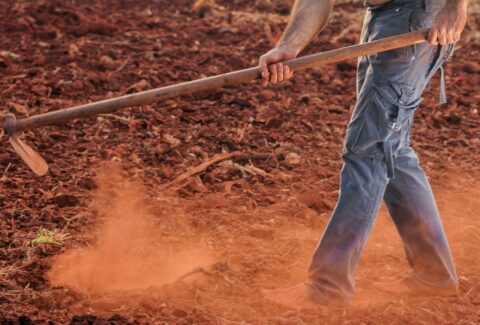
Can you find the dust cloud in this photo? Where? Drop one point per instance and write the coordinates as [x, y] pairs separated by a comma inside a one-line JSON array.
[[129, 253]]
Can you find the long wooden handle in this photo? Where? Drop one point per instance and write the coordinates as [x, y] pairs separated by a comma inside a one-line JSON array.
[[211, 83]]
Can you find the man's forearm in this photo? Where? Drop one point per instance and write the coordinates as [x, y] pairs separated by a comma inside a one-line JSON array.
[[458, 3], [307, 19]]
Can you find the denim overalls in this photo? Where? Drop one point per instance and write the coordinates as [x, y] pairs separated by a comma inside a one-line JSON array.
[[380, 164]]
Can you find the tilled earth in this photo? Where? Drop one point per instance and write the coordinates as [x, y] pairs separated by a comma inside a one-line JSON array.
[[258, 215]]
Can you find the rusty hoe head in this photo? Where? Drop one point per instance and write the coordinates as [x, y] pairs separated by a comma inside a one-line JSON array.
[[36, 163]]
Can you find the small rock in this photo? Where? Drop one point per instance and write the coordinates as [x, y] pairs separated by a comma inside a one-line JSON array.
[[299, 140], [105, 59], [267, 94], [240, 102], [471, 67], [172, 141], [316, 200], [293, 159], [73, 50], [87, 183], [274, 123], [138, 86], [77, 84], [162, 148], [204, 7], [165, 170], [179, 313], [40, 90]]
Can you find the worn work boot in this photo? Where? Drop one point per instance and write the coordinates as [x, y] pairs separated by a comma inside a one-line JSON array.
[[406, 287], [301, 296]]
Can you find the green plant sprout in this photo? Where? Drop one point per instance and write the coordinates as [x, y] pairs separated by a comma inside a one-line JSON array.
[[49, 237]]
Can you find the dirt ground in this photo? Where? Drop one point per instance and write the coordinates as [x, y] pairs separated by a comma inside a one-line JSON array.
[[134, 246]]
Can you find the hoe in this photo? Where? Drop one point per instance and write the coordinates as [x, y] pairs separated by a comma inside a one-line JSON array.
[[12, 127]]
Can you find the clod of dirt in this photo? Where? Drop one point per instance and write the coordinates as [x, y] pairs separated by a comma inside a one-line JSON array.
[[261, 231], [107, 61], [274, 123], [87, 183], [3, 63], [267, 94], [204, 7], [66, 200], [317, 220], [293, 159], [315, 200], [471, 67], [83, 319], [179, 313], [138, 86], [40, 90]]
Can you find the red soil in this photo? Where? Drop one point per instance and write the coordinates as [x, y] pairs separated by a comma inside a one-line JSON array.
[[131, 233]]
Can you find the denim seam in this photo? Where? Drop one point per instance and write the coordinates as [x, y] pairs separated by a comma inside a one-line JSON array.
[[363, 120], [371, 197]]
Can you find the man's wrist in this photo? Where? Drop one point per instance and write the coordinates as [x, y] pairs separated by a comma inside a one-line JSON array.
[[288, 48], [458, 4]]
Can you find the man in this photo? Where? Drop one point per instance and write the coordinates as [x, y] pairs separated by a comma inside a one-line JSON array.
[[378, 160]]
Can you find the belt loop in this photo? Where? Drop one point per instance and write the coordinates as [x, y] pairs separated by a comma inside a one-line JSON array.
[[443, 97], [388, 155]]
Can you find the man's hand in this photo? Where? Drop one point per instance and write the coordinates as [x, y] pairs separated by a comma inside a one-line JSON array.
[[308, 17], [272, 68], [449, 23]]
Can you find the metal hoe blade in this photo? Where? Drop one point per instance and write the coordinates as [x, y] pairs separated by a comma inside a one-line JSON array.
[[36, 163]]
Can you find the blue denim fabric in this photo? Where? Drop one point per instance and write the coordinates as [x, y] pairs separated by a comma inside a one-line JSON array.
[[380, 164]]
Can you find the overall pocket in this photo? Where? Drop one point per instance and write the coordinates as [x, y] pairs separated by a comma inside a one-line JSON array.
[[390, 21], [386, 119]]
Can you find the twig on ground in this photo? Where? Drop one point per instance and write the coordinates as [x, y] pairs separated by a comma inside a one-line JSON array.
[[218, 158], [119, 68], [121, 118], [203, 271], [192, 272], [247, 169]]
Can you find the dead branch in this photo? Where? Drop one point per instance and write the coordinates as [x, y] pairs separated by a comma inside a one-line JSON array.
[[246, 169], [218, 158], [192, 272], [205, 272]]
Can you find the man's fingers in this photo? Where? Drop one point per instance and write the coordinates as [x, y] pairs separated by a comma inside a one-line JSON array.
[[264, 69], [442, 37], [273, 73], [432, 36], [287, 73], [450, 37], [280, 76]]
